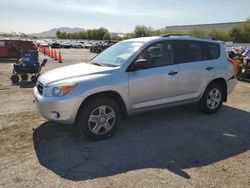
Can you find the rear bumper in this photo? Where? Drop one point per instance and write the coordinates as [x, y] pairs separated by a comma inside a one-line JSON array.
[[231, 84]]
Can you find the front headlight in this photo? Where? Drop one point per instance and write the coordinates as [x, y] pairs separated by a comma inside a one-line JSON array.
[[60, 90]]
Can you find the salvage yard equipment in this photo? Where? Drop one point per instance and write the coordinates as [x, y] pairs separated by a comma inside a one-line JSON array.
[[28, 64], [100, 46], [245, 70], [11, 49]]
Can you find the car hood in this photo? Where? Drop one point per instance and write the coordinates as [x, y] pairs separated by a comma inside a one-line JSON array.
[[73, 72]]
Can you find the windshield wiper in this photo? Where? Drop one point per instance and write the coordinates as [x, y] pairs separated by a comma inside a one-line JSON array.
[[110, 65], [96, 64]]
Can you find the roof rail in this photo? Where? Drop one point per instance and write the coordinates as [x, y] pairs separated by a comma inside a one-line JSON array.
[[201, 37], [175, 34]]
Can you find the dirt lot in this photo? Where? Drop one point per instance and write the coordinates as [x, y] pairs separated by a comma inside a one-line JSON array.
[[178, 147]]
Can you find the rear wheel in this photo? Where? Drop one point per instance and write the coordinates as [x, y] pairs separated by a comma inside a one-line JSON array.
[[99, 118], [212, 99], [14, 78]]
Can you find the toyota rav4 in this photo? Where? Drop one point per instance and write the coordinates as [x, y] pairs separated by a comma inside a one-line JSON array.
[[133, 76]]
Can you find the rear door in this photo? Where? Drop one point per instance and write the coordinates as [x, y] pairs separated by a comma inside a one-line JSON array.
[[195, 68]]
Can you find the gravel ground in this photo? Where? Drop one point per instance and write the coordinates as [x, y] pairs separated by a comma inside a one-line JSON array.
[[177, 147]]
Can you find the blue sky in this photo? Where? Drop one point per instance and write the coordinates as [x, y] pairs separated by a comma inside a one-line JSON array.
[[31, 16]]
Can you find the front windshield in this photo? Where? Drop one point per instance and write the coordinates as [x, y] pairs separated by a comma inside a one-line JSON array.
[[117, 54]]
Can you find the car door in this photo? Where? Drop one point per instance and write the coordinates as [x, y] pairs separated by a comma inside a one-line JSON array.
[[195, 69], [157, 82]]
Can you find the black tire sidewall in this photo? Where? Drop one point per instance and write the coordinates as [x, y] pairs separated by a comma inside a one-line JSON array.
[[203, 102], [14, 78], [34, 78], [85, 111]]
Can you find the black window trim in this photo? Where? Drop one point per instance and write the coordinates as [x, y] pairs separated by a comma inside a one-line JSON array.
[[203, 47]]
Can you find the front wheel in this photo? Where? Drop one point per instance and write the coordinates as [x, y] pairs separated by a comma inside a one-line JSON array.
[[14, 78], [212, 99], [99, 118]]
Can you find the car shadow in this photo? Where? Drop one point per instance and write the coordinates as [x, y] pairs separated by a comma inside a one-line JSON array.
[[8, 61], [25, 84], [173, 139]]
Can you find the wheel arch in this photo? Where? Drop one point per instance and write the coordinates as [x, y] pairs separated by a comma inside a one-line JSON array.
[[110, 94], [223, 83]]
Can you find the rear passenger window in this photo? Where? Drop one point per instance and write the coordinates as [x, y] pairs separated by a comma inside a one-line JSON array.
[[192, 51], [188, 51]]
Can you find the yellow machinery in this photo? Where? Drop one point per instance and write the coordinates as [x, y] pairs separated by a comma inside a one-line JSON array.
[[237, 66]]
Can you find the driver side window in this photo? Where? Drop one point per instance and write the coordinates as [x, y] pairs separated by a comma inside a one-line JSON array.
[[157, 55]]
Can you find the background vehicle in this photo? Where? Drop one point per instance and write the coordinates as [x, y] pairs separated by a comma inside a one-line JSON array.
[[87, 44], [67, 44], [100, 46], [133, 76], [246, 53], [76, 45], [56, 45], [44, 44], [11, 49]]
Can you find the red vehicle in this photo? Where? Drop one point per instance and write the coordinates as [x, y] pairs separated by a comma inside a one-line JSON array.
[[11, 49]]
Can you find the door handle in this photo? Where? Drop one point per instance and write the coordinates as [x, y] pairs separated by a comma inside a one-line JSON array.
[[209, 68], [172, 73]]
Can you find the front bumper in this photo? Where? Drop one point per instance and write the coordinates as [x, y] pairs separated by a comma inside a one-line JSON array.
[[58, 109]]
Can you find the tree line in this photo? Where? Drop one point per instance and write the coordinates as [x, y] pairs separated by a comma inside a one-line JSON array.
[[239, 34], [93, 34]]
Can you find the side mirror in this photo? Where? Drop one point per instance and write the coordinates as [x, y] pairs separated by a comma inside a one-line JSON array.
[[139, 64]]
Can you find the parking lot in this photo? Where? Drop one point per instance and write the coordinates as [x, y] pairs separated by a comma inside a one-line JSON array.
[[177, 147]]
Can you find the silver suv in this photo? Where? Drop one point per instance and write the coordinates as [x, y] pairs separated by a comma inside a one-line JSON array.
[[133, 76]]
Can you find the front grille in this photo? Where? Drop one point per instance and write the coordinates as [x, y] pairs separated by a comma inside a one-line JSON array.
[[40, 88]]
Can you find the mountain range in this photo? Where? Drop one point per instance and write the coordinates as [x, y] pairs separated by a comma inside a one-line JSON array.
[[52, 32]]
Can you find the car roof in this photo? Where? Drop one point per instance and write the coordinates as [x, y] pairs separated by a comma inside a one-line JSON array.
[[173, 37]]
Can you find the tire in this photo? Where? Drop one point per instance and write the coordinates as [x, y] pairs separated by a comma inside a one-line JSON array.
[[34, 79], [14, 78], [24, 76], [99, 118], [212, 99]]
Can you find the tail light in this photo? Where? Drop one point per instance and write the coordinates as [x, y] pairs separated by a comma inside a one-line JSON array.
[[229, 60]]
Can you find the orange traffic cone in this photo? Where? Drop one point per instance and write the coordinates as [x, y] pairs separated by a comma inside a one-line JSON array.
[[44, 51], [48, 52], [60, 60], [55, 55], [52, 54]]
